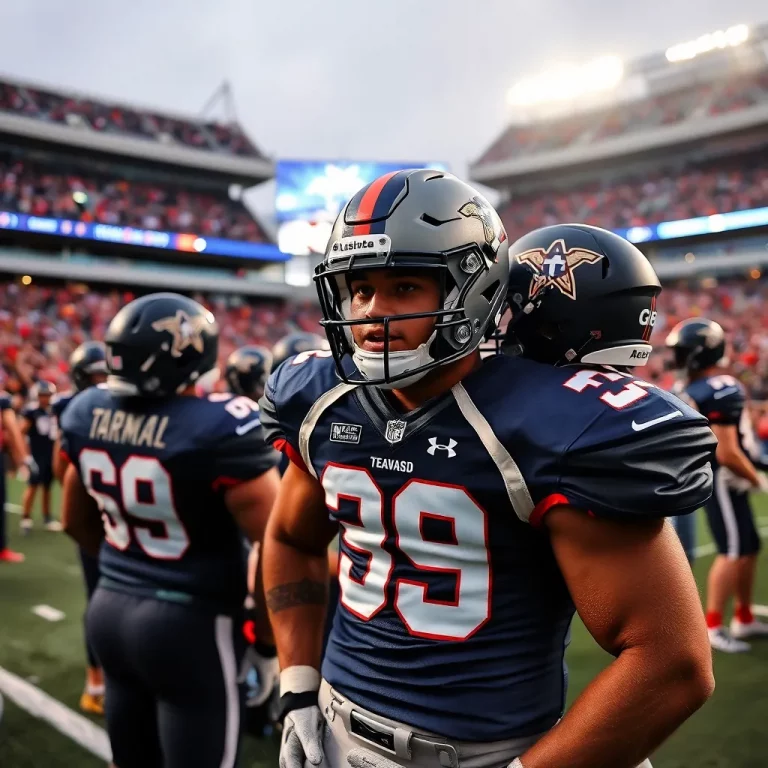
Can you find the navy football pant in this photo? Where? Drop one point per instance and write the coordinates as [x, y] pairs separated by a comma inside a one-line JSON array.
[[91, 575], [731, 520], [172, 699]]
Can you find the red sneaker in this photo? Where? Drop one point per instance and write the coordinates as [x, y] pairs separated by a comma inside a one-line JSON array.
[[9, 556]]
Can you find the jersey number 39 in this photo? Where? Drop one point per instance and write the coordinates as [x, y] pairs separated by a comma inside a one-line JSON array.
[[154, 523], [464, 560]]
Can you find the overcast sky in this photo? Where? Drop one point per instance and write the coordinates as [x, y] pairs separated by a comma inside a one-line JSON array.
[[406, 80]]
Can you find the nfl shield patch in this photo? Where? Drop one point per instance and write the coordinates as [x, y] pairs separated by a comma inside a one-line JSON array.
[[395, 431]]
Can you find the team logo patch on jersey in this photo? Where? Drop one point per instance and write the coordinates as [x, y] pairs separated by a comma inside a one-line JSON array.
[[395, 430], [186, 331], [493, 229], [555, 265], [345, 433]]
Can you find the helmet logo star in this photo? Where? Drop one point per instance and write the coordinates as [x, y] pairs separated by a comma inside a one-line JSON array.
[[555, 265], [186, 331]]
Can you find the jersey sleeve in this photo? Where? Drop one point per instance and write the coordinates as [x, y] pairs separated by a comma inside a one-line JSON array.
[[725, 405], [650, 462], [239, 452], [5, 402], [290, 393], [28, 412]]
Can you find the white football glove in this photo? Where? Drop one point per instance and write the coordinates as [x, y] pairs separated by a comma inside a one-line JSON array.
[[27, 469], [762, 482], [304, 724], [268, 671], [302, 738]]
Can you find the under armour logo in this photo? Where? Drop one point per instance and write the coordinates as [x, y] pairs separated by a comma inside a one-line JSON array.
[[434, 446]]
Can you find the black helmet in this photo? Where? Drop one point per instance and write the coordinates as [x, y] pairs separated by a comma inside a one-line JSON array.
[[697, 343], [295, 343], [247, 370], [159, 344], [43, 388], [415, 219], [580, 294], [88, 359]]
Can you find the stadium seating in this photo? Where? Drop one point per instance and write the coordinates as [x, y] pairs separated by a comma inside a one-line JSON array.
[[27, 187], [110, 118], [727, 95], [730, 185], [41, 325]]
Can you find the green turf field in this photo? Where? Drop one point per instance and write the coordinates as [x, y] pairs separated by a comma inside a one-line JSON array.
[[731, 731]]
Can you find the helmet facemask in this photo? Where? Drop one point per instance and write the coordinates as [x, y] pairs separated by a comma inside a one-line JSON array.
[[457, 331]]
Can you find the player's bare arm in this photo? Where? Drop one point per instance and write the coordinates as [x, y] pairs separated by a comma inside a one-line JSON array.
[[730, 454], [250, 504], [16, 443], [635, 592], [80, 516], [295, 563]]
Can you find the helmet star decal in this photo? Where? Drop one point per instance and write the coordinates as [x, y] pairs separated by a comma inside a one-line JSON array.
[[555, 265], [186, 331]]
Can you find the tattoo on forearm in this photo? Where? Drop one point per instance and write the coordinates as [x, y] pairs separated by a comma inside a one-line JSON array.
[[304, 592]]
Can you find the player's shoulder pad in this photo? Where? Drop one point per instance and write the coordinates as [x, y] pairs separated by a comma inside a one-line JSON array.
[[60, 401], [291, 391], [78, 414], [230, 426], [5, 401], [644, 454], [28, 409], [720, 398]]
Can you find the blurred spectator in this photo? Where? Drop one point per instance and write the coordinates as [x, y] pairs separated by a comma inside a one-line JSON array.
[[28, 187], [40, 326], [106, 118]]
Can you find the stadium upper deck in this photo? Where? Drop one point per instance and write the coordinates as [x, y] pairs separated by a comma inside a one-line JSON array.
[[693, 92]]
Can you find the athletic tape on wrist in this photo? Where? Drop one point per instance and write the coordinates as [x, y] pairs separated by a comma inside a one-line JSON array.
[[299, 679], [515, 763]]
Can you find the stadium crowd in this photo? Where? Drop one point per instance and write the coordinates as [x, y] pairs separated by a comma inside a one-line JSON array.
[[731, 185], [40, 326], [704, 99], [111, 118], [26, 187]]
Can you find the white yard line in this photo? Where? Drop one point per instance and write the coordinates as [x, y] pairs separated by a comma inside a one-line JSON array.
[[39, 704]]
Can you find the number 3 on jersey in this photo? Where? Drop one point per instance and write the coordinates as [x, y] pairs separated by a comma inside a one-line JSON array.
[[464, 560], [173, 542]]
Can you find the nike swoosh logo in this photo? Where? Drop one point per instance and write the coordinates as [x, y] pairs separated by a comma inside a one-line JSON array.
[[724, 392], [645, 424], [243, 428]]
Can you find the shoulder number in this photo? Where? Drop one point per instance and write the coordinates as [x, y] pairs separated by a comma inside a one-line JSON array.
[[631, 393], [146, 516], [364, 595], [240, 407]]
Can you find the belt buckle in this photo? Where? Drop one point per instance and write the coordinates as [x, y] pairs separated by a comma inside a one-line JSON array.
[[372, 732]]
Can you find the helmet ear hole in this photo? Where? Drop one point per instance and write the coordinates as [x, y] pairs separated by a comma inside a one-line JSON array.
[[605, 266]]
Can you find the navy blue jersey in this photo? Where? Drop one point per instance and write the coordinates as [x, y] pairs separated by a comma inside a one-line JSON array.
[[41, 432], [723, 400], [158, 470], [58, 404], [454, 615], [5, 405]]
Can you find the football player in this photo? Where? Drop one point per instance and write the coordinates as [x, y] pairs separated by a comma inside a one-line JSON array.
[[301, 342], [38, 427], [699, 348], [10, 436], [480, 501], [87, 368], [175, 476], [247, 371]]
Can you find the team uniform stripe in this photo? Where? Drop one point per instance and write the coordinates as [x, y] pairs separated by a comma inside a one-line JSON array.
[[366, 205]]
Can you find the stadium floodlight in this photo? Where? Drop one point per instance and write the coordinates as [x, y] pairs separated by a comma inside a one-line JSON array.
[[567, 83], [729, 38]]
